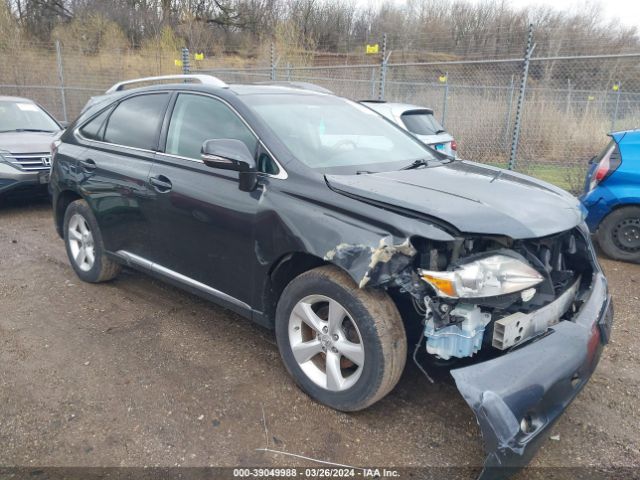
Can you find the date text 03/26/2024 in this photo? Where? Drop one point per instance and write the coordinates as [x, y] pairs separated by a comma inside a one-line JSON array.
[[315, 473]]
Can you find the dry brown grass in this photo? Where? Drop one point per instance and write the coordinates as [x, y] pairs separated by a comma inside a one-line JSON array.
[[555, 143]]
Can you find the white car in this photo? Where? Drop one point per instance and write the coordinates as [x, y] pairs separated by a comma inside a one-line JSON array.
[[417, 120]]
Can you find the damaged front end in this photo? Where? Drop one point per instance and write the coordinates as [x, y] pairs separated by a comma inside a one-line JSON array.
[[517, 397], [534, 313]]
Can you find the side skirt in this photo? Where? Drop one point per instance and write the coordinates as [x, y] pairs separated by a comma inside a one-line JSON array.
[[189, 284]]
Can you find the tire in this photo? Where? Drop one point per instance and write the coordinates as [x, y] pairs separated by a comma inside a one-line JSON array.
[[365, 324], [619, 234], [81, 232]]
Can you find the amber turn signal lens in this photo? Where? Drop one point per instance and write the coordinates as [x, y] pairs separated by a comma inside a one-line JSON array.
[[445, 286]]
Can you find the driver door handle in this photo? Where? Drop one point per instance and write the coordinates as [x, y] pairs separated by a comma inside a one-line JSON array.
[[161, 183]]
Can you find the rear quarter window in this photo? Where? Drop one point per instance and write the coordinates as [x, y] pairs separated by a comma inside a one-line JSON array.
[[93, 130]]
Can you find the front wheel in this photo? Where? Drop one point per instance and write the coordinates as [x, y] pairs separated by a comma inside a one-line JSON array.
[[619, 234], [346, 347]]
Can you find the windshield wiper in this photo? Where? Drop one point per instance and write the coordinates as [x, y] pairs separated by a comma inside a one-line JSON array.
[[438, 132], [27, 130], [416, 163]]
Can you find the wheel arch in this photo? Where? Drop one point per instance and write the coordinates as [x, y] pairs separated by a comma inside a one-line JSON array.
[[63, 200], [623, 203], [282, 271]]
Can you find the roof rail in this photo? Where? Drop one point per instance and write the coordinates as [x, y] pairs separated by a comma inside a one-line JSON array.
[[204, 79], [301, 85]]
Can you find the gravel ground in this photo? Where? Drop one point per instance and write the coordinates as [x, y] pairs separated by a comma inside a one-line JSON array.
[[138, 373]]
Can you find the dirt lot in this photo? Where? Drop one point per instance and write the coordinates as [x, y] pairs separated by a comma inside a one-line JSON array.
[[137, 373]]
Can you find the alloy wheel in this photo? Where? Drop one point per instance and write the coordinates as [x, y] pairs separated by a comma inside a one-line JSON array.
[[81, 242], [326, 343]]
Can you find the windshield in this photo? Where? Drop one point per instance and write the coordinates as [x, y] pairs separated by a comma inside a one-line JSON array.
[[421, 122], [336, 135], [16, 115]]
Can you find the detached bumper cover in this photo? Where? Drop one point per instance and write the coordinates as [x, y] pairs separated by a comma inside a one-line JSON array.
[[535, 382]]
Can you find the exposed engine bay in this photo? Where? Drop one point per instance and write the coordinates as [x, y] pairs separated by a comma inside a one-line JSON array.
[[518, 312], [497, 293]]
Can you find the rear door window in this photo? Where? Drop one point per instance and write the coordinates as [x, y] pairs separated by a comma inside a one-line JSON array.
[[136, 121], [421, 122]]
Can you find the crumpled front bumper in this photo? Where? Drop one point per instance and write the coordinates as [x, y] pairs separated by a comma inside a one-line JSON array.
[[535, 382]]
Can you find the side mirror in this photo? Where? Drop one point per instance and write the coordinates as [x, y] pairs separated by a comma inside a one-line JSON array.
[[231, 154]]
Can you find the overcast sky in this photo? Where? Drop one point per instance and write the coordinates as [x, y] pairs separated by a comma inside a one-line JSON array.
[[624, 11]]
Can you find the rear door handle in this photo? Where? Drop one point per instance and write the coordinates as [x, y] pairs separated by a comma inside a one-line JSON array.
[[161, 183], [88, 165]]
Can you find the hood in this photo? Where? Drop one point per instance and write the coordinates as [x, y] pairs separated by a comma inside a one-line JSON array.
[[27, 142], [471, 197]]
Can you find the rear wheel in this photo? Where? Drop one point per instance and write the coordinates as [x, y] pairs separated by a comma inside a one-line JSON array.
[[346, 347], [84, 245], [619, 234]]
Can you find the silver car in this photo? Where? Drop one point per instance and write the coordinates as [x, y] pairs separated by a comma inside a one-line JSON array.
[[26, 134], [419, 121]]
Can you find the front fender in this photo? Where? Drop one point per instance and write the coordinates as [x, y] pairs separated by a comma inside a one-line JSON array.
[[368, 243]]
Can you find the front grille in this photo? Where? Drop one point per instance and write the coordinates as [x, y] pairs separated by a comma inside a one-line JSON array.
[[31, 162]]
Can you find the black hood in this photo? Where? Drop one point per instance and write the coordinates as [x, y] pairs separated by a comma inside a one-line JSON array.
[[471, 197]]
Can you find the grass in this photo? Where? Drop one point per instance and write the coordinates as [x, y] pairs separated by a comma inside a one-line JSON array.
[[570, 178], [567, 177]]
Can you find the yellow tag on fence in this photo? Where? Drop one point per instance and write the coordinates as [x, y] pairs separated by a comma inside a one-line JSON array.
[[591, 97], [375, 48], [616, 87], [199, 56], [177, 63], [442, 78]]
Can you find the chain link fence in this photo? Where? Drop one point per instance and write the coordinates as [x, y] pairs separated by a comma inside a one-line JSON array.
[[565, 104]]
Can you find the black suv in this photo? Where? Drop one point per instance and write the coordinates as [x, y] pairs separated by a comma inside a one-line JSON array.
[[315, 216]]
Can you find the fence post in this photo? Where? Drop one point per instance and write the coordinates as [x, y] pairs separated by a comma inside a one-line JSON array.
[[523, 86], [446, 95], [63, 96], [373, 83], [383, 68], [509, 111], [568, 106], [288, 72], [273, 62], [615, 111], [186, 68]]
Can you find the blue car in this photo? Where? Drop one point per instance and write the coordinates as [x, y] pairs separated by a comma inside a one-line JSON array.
[[612, 196]]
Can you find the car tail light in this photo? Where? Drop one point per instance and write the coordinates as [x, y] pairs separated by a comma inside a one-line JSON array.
[[454, 145], [606, 166]]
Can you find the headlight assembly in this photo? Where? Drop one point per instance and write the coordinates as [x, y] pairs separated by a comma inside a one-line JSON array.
[[486, 277]]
